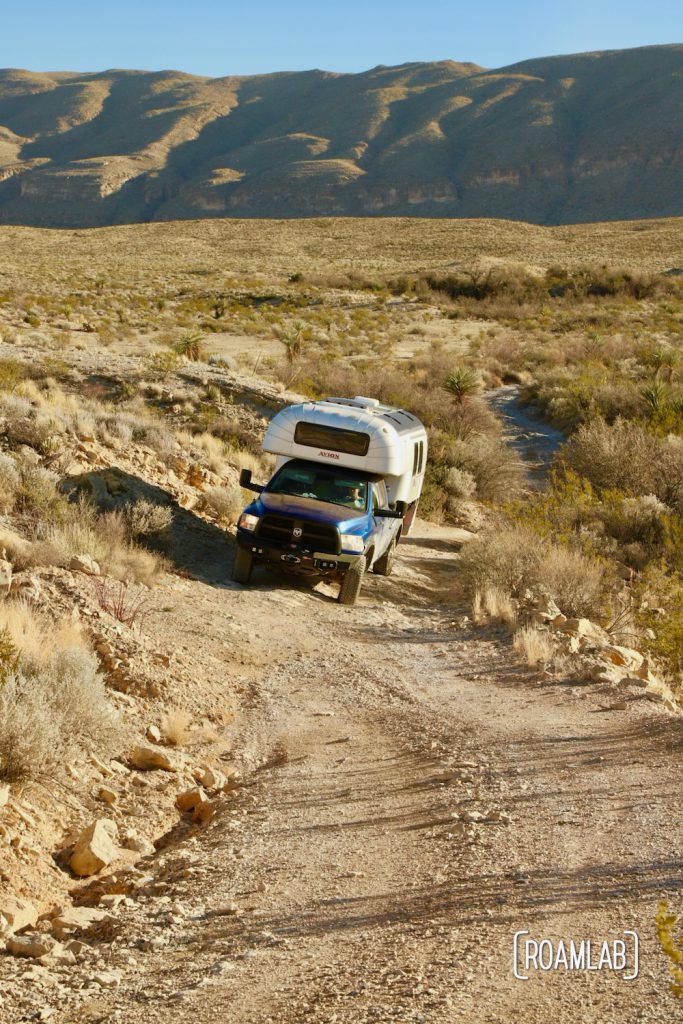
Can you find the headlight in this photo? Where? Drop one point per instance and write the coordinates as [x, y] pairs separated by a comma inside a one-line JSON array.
[[351, 543], [248, 522]]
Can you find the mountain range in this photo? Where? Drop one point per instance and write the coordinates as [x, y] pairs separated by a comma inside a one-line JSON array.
[[554, 140]]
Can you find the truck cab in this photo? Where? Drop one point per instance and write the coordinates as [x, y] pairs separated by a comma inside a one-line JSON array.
[[329, 511]]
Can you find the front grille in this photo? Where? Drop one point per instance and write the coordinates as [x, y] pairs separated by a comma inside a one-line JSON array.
[[314, 536]]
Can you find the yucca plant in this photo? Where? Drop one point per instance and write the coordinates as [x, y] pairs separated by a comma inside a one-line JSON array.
[[191, 345], [461, 383], [655, 396]]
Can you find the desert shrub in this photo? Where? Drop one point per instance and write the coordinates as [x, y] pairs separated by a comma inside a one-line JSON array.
[[618, 456], [37, 497], [460, 483], [225, 503], [518, 559], [658, 600], [117, 599], [53, 712], [667, 472], [163, 361], [34, 431], [579, 583], [145, 519], [12, 373], [491, 464], [156, 437], [10, 481]]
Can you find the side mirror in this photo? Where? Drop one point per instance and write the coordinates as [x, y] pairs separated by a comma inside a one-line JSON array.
[[387, 513], [401, 507], [245, 481]]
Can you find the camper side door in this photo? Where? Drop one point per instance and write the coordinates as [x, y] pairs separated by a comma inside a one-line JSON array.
[[383, 527]]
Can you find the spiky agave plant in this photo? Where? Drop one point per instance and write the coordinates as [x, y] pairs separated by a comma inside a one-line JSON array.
[[191, 345], [460, 383]]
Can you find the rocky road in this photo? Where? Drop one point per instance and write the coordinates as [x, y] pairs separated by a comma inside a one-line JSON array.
[[413, 797]]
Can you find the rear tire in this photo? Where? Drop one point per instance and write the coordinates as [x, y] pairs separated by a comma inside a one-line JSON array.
[[352, 582], [384, 565], [243, 565]]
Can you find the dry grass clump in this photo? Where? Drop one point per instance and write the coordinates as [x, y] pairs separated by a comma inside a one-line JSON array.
[[176, 727], [534, 645], [491, 604], [53, 703], [223, 503], [34, 636]]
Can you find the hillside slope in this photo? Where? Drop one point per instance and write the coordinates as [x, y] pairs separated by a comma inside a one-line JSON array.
[[592, 136]]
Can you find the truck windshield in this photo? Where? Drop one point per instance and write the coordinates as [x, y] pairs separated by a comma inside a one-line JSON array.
[[347, 490]]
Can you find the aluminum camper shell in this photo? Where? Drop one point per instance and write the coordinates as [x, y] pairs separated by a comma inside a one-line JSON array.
[[355, 433]]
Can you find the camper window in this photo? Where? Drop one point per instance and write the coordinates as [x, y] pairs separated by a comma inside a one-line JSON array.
[[335, 439]]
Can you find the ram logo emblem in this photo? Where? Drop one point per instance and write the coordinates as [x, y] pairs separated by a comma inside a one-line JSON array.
[[297, 531]]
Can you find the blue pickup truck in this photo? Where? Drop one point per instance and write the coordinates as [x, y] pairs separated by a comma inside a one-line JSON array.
[[344, 491]]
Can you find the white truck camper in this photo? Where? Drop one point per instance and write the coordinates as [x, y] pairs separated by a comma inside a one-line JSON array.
[[347, 481], [356, 433]]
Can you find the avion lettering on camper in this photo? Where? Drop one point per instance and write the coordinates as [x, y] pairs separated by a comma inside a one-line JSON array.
[[618, 955]]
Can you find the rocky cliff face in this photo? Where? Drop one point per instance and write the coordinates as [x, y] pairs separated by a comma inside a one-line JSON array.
[[587, 137]]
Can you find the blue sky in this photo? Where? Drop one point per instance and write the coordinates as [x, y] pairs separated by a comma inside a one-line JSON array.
[[220, 37]]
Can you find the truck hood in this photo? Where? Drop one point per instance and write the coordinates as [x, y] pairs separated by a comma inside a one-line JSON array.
[[311, 508]]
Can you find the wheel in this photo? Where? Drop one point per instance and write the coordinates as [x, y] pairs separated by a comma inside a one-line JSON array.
[[352, 582], [385, 564], [244, 563]]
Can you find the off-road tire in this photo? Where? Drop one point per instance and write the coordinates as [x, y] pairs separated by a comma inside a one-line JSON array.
[[352, 582], [244, 563], [384, 565]]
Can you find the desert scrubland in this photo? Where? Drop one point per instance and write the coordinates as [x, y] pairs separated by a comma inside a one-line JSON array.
[[217, 796]]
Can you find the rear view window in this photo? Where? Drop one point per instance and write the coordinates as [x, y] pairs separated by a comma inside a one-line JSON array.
[[335, 439]]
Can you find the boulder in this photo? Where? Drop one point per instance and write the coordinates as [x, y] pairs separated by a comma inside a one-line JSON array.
[[107, 796], [210, 778], [107, 979], [153, 734], [5, 794], [78, 919], [133, 840], [95, 848], [190, 798], [31, 945], [17, 912], [546, 608], [608, 674], [624, 656], [586, 629], [86, 564], [146, 759]]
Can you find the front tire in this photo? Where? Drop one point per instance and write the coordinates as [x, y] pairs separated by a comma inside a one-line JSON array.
[[352, 582], [242, 567], [384, 565]]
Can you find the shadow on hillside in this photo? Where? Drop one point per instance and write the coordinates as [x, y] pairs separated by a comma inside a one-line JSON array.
[[192, 545]]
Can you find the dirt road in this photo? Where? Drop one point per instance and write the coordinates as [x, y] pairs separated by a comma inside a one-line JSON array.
[[346, 883]]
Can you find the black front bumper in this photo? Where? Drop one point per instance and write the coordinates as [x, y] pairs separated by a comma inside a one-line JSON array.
[[292, 557]]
